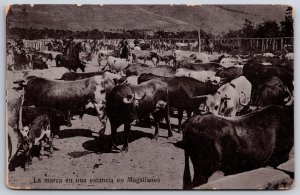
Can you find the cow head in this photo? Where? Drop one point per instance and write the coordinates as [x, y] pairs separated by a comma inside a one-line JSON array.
[[160, 105], [61, 118], [212, 103], [133, 99], [25, 132]]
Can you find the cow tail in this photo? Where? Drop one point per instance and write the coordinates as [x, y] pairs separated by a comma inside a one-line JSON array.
[[187, 180], [168, 103], [20, 125]]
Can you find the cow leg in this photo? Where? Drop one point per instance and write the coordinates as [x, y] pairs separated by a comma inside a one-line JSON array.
[[201, 171], [102, 117], [50, 142], [42, 150], [28, 157], [126, 135], [180, 114], [113, 146], [156, 126], [167, 119], [187, 181], [13, 140]]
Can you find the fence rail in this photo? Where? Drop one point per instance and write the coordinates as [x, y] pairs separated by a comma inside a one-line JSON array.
[[241, 44]]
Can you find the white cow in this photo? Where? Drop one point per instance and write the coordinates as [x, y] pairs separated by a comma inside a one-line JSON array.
[[229, 99], [202, 76], [116, 64], [132, 80], [289, 56]]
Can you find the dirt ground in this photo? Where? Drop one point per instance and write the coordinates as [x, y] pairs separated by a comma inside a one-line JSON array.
[[82, 160]]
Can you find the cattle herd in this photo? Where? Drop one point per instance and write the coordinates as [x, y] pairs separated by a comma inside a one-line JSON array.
[[239, 108]]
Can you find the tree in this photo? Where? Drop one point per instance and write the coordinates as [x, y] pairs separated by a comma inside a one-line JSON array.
[[248, 29], [267, 29], [287, 29]]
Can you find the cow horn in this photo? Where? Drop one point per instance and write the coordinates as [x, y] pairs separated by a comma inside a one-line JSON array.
[[200, 97], [290, 97], [128, 100], [242, 103]]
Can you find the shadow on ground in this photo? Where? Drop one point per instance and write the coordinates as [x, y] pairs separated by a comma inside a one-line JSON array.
[[102, 143]]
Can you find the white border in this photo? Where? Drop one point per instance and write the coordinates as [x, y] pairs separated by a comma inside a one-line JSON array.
[[3, 3]]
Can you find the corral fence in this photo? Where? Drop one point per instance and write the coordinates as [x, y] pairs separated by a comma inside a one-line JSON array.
[[220, 45]]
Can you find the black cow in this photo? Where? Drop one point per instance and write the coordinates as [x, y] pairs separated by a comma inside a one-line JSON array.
[[230, 73], [39, 64], [127, 102], [57, 118], [74, 96], [257, 74], [181, 93], [272, 92], [262, 138], [148, 76], [72, 76], [70, 62], [201, 66]]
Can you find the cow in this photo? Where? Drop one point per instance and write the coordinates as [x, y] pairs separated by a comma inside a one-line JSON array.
[[202, 66], [214, 143], [75, 96], [202, 76], [128, 102], [230, 73], [72, 76], [51, 74], [39, 64], [257, 74], [40, 55], [70, 62], [138, 69], [272, 92], [14, 122], [148, 76], [38, 133], [181, 92], [144, 55], [116, 64], [229, 99], [57, 117], [132, 80]]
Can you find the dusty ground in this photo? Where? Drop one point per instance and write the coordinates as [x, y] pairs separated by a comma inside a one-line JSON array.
[[83, 160]]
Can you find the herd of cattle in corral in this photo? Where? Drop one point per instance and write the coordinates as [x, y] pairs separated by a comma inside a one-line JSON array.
[[239, 108]]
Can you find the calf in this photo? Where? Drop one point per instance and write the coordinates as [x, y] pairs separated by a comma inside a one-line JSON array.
[[57, 118], [37, 134]]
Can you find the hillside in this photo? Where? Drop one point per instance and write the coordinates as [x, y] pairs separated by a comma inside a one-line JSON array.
[[211, 18]]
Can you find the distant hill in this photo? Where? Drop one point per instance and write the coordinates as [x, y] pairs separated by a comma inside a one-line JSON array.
[[210, 18]]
